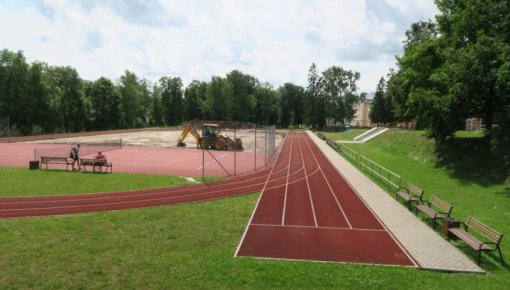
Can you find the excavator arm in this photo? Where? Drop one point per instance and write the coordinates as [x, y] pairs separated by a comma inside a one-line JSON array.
[[187, 130]]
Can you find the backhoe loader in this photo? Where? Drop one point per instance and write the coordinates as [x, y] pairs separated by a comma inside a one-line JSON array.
[[211, 138]]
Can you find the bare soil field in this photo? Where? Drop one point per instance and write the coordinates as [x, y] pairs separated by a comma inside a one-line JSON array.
[[167, 138]]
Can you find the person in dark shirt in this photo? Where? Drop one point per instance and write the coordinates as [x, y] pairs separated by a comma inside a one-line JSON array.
[[75, 156]]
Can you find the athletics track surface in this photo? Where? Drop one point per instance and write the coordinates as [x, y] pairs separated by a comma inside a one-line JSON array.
[[306, 210]]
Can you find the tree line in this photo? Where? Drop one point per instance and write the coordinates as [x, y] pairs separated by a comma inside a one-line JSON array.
[[453, 68], [55, 99]]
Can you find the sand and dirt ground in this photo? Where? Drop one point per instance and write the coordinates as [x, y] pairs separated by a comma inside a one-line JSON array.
[[168, 138]]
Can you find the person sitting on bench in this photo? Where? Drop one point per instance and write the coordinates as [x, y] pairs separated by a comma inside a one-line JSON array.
[[100, 160]]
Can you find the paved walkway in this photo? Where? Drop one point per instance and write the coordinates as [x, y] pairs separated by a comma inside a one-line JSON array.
[[427, 247]]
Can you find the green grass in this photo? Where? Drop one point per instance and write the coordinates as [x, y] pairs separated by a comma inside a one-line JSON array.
[[21, 182], [183, 246], [192, 245], [345, 135], [472, 179]]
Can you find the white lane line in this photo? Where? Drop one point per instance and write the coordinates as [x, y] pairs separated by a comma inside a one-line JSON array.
[[329, 185], [287, 182], [258, 201], [308, 184], [324, 228]]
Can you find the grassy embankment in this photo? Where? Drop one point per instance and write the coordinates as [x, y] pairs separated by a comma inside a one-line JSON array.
[[464, 173], [346, 135], [192, 245]]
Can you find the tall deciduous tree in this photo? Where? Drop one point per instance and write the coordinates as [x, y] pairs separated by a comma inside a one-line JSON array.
[[194, 96], [315, 112], [219, 98], [105, 103], [243, 90], [340, 93], [291, 105], [172, 100], [131, 100]]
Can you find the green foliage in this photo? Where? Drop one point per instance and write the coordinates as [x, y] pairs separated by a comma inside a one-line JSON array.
[[340, 93], [131, 100], [381, 107], [172, 100], [194, 95], [315, 105], [244, 100], [106, 104], [291, 98], [456, 68]]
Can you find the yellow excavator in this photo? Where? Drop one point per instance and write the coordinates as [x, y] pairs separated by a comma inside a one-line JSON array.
[[211, 138]]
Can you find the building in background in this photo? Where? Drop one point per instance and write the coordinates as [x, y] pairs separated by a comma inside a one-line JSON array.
[[361, 118]]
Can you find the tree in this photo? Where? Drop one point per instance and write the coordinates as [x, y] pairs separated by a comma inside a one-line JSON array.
[[315, 112], [219, 96], [172, 100], [194, 96], [266, 109], [379, 111], [291, 105], [339, 87], [243, 89], [105, 103], [14, 73], [131, 100]]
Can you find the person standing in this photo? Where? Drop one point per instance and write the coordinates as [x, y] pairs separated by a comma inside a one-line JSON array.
[[75, 156]]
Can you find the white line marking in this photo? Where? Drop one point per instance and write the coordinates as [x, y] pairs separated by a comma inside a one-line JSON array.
[[370, 209], [308, 184], [258, 201], [329, 185], [326, 228], [287, 182]]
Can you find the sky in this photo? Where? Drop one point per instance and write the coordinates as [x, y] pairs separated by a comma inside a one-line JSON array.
[[274, 40]]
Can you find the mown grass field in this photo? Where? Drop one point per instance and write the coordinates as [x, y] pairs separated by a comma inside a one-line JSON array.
[[192, 245], [23, 182]]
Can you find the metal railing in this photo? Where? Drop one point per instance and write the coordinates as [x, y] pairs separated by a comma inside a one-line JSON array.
[[378, 172]]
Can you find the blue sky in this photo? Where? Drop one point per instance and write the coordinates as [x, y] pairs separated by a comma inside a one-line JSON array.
[[276, 40]]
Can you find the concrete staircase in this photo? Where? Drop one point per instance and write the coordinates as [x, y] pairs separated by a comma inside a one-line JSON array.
[[368, 135]]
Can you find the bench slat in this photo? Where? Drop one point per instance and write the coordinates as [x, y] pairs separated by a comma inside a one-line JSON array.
[[483, 229]]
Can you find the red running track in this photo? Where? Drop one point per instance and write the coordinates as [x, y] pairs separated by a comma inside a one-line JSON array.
[[307, 211], [71, 204]]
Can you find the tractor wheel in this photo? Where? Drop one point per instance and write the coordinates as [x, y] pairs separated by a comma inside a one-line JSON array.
[[204, 143], [218, 145]]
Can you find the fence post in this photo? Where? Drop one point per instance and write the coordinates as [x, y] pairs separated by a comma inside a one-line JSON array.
[[235, 151], [255, 147]]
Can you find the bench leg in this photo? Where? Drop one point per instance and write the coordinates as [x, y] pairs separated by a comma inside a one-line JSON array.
[[479, 257], [434, 224], [501, 256]]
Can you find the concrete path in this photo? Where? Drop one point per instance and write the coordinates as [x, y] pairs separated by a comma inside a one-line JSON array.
[[427, 247]]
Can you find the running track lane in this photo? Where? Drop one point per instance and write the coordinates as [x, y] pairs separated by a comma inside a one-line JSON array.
[[315, 215], [71, 204]]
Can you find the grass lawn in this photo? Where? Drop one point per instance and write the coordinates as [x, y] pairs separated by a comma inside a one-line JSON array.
[[345, 135], [183, 246], [23, 182]]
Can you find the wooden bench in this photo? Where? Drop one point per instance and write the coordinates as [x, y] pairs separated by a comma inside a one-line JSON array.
[[56, 160], [435, 208], [96, 163], [410, 194], [493, 238]]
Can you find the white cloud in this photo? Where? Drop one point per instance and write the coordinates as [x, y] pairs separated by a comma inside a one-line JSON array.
[[276, 41]]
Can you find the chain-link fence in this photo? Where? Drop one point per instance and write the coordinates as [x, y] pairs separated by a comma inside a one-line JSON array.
[[256, 151]]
